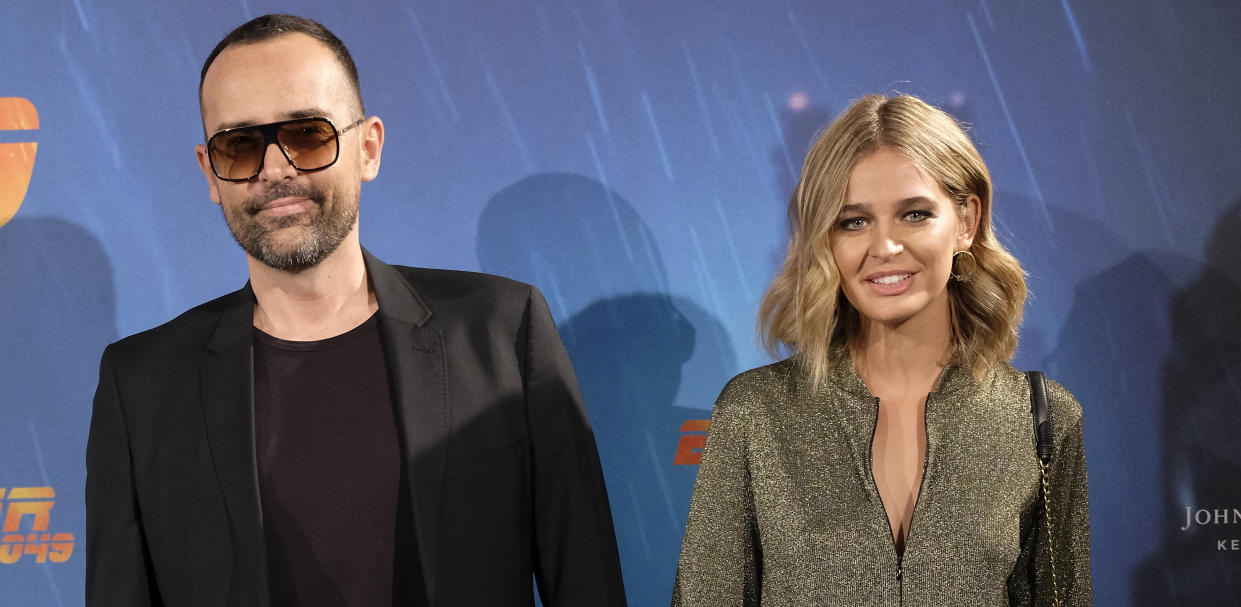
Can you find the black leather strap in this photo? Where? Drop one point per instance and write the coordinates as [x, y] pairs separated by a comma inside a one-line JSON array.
[[1041, 413]]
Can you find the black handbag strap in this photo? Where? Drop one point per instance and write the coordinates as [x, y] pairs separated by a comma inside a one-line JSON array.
[[1042, 415], [1045, 446]]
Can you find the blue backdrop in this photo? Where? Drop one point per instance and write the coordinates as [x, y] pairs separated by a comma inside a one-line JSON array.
[[633, 160]]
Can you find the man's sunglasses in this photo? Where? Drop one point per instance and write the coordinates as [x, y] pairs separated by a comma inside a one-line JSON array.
[[309, 144]]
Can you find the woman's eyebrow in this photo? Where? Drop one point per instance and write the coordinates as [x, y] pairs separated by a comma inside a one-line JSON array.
[[904, 203], [914, 201]]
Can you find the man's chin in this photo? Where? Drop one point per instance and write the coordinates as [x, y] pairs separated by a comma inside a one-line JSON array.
[[281, 222], [291, 261]]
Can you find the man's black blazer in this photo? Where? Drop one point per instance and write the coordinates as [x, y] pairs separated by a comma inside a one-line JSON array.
[[502, 469]]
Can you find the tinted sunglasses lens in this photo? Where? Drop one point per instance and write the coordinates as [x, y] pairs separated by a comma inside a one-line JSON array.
[[237, 154], [310, 144]]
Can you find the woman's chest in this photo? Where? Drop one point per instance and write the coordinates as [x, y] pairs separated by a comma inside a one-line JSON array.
[[813, 479]]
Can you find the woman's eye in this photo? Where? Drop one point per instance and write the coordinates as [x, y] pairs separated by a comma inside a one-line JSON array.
[[852, 223], [918, 215]]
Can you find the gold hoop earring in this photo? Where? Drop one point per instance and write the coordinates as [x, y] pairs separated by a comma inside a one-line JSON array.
[[972, 265]]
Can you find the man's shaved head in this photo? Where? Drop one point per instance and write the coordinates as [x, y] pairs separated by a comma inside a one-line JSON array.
[[267, 27]]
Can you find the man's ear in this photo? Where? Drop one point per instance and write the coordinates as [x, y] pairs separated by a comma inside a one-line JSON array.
[[969, 217], [204, 165], [372, 135]]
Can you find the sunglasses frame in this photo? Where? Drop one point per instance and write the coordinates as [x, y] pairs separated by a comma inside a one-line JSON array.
[[269, 132]]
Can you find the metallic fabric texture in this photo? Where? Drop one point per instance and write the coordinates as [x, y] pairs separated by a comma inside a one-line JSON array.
[[786, 512]]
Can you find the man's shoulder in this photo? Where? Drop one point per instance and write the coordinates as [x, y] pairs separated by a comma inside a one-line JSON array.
[[438, 281], [189, 330], [449, 291]]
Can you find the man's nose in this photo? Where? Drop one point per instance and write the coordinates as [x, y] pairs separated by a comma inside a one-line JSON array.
[[276, 166]]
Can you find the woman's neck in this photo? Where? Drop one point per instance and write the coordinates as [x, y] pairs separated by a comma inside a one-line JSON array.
[[897, 360]]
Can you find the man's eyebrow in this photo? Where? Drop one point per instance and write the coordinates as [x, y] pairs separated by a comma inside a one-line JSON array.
[[312, 112], [233, 125], [294, 115]]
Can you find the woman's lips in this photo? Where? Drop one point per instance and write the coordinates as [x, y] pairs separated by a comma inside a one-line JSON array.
[[890, 283]]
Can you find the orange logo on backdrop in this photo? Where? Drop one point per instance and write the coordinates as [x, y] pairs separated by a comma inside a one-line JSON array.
[[16, 159], [33, 504], [689, 449]]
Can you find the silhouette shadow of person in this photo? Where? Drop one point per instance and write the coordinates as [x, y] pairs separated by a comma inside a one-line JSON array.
[[647, 361], [1199, 559], [1102, 334], [59, 310]]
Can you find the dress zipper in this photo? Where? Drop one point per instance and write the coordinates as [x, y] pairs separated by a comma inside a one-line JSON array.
[[900, 579], [900, 558]]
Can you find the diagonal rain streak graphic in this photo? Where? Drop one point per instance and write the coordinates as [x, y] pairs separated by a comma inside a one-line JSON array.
[[805, 45], [732, 250], [509, 122], [705, 280], [595, 97], [703, 112], [607, 194], [433, 62], [47, 482], [1077, 37], [736, 127], [77, 4], [1158, 191], [1012, 125], [986, 13], [659, 138], [775, 125], [657, 460]]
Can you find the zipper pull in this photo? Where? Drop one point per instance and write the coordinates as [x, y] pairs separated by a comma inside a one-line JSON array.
[[899, 568]]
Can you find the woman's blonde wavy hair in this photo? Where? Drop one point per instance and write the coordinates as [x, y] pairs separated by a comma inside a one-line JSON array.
[[805, 309]]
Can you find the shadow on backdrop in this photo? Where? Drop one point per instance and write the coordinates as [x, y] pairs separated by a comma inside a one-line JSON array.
[[58, 304], [1197, 563], [646, 361], [1108, 353]]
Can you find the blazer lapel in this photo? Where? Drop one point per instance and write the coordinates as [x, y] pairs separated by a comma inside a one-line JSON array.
[[228, 408], [418, 373]]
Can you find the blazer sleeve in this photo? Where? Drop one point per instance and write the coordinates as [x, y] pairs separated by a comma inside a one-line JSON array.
[[576, 557], [117, 563], [1070, 512], [721, 556]]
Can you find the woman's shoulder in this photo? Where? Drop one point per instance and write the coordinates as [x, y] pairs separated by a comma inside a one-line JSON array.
[[756, 388], [1066, 411], [775, 377]]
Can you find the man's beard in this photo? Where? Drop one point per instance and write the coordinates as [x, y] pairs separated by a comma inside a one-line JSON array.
[[321, 228]]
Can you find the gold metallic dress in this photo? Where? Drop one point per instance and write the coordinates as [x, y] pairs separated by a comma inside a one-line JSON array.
[[786, 512]]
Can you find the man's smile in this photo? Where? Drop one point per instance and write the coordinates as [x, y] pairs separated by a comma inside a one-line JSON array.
[[286, 205]]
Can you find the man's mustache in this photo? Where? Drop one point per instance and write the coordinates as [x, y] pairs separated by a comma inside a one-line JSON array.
[[258, 202]]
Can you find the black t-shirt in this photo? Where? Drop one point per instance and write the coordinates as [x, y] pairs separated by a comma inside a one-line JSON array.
[[336, 511]]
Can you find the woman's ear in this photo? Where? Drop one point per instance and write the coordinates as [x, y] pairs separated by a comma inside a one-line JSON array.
[[969, 217]]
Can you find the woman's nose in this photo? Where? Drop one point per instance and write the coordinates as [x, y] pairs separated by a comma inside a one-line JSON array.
[[885, 244]]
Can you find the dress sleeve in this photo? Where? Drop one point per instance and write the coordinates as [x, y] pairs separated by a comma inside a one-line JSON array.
[[117, 562], [721, 560], [576, 557], [1070, 512]]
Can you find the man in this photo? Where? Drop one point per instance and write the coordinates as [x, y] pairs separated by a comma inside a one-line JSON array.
[[339, 431]]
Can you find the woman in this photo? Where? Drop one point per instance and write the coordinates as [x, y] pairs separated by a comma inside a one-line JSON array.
[[891, 460]]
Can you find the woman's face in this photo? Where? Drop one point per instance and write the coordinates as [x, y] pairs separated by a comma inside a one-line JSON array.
[[894, 240]]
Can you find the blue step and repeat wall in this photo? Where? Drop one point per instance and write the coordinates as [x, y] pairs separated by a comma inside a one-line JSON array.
[[633, 159]]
